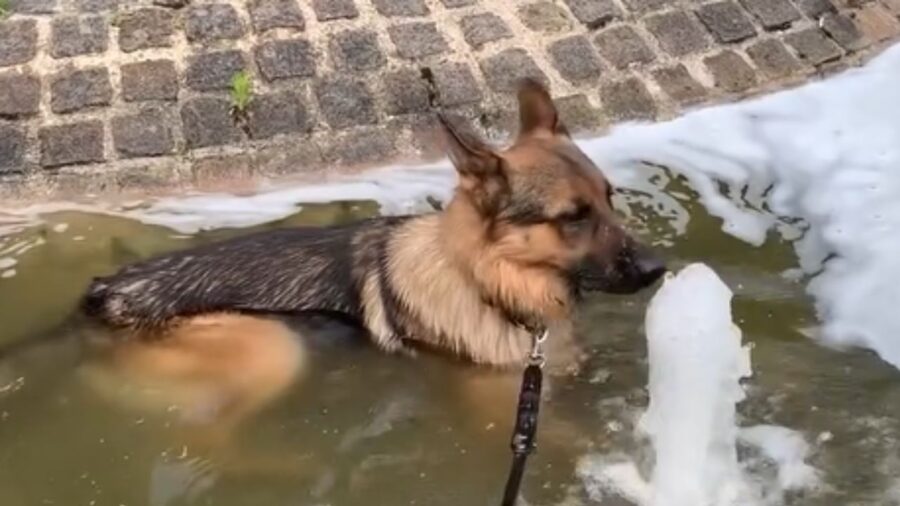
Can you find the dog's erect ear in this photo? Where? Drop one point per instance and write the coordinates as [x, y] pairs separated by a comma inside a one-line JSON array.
[[480, 169], [537, 113]]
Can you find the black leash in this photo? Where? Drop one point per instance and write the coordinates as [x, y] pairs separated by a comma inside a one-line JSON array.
[[525, 432]]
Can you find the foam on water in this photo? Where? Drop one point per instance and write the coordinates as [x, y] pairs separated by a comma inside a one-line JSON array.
[[697, 361]]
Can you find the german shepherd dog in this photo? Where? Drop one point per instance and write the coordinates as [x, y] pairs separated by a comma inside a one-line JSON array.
[[529, 230]]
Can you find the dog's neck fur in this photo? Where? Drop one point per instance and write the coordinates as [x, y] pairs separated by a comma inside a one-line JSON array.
[[442, 292]]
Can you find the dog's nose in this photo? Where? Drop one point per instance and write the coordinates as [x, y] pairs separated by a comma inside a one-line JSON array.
[[649, 266]]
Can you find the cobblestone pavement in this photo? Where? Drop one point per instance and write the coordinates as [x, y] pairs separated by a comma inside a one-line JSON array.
[[110, 95]]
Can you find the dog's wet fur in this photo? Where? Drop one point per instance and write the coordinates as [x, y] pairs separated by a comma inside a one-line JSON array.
[[529, 230]]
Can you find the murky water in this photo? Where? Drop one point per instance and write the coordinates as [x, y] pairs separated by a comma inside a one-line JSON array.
[[366, 428]]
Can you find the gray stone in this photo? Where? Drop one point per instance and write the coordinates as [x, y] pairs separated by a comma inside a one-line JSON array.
[[645, 6], [730, 72], [208, 122], [544, 17], [453, 4], [270, 14], [401, 8], [815, 8], [20, 95], [328, 10], [575, 59], [726, 21], [74, 143], [813, 46], [360, 146], [677, 33], [504, 70], [283, 59], [278, 113], [627, 100], [214, 71], [594, 13], [844, 31], [32, 6], [12, 148], [479, 29], [356, 50], [221, 168], [623, 47], [145, 28], [149, 80], [97, 5], [417, 40], [455, 85], [772, 14], [345, 102], [676, 81], [73, 90], [290, 157], [18, 41], [144, 134], [73, 36], [406, 92], [771, 57], [207, 23], [577, 114]]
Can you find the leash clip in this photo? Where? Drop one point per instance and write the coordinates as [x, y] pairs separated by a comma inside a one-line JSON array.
[[536, 357]]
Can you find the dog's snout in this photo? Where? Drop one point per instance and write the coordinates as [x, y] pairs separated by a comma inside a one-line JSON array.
[[649, 267]]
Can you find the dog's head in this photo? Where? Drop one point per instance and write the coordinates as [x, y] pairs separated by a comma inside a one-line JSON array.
[[542, 215]]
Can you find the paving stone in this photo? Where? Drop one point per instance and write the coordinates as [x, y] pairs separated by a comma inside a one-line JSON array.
[[356, 50], [645, 6], [505, 69], [730, 72], [283, 59], [594, 13], [207, 23], [406, 92], [73, 36], [145, 28], [544, 17], [627, 100], [771, 57], [876, 23], [417, 40], [726, 21], [221, 168], [455, 85], [813, 46], [815, 8], [345, 102], [843, 30], [278, 113], [479, 29], [623, 47], [328, 10], [73, 90], [149, 80], [401, 8], [453, 4], [214, 71], [20, 94], [360, 146], [18, 41], [12, 148], [146, 133], [208, 122], [33, 6], [577, 114], [574, 58], [678, 34], [269, 14], [290, 157], [74, 143], [772, 14], [97, 5], [676, 81]]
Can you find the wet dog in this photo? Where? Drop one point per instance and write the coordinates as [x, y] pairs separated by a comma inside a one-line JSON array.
[[528, 231]]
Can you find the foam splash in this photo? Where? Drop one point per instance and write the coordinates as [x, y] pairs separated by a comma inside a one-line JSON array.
[[697, 361]]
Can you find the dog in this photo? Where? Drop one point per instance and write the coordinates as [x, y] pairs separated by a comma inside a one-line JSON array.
[[529, 230]]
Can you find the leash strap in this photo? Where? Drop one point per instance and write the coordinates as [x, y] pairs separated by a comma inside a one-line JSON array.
[[525, 432]]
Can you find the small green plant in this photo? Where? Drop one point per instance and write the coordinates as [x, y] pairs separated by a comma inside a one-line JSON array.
[[5, 9], [241, 91]]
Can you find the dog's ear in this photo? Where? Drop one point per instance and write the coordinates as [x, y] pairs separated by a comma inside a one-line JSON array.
[[480, 169], [537, 113]]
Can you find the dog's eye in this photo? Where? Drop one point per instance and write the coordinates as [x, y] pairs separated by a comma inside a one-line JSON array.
[[579, 215]]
